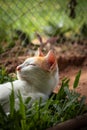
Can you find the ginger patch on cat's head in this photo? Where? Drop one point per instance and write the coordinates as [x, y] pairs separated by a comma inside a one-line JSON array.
[[47, 62]]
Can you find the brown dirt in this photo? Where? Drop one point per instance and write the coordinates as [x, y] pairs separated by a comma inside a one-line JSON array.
[[71, 59], [70, 72]]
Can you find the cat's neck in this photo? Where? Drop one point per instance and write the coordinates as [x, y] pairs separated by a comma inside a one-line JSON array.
[[20, 84], [26, 87]]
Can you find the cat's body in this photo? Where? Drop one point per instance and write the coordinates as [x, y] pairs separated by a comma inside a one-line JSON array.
[[37, 77]]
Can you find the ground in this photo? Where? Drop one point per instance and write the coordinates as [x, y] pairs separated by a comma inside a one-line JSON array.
[[71, 72], [71, 58]]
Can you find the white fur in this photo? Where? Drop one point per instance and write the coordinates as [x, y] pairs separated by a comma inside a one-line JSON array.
[[32, 81]]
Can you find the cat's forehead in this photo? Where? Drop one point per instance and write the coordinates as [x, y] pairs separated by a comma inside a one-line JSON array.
[[34, 59]]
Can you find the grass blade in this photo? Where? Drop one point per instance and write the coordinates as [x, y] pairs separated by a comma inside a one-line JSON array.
[[76, 81], [22, 112]]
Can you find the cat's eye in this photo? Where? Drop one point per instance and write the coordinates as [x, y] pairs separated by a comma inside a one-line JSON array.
[[32, 64], [28, 64]]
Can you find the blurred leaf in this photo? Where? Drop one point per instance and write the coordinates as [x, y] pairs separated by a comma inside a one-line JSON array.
[[77, 79], [61, 93], [4, 77], [12, 101], [22, 111]]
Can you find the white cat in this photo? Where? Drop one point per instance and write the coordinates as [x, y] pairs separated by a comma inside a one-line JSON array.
[[37, 77]]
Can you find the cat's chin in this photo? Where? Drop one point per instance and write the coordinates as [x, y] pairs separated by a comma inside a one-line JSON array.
[[20, 77]]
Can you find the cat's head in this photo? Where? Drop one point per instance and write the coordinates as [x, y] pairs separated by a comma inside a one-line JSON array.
[[41, 72]]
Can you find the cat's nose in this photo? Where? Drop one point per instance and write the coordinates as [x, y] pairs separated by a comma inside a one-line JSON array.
[[18, 68]]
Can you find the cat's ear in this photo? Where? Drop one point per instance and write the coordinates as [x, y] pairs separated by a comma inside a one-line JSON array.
[[40, 53], [50, 61]]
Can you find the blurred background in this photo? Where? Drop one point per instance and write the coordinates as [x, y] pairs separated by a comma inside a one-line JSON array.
[[60, 25], [65, 20]]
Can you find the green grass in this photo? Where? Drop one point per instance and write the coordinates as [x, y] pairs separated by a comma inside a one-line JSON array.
[[58, 108], [4, 77]]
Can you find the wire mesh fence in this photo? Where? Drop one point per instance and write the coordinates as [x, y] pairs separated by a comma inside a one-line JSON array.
[[51, 18]]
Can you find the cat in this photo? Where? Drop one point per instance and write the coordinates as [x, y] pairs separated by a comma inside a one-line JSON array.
[[37, 77]]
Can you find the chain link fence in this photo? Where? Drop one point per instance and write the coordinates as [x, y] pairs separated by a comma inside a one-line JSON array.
[[65, 19]]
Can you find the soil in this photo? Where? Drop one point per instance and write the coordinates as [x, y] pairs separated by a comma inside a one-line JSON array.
[[71, 59], [70, 72]]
